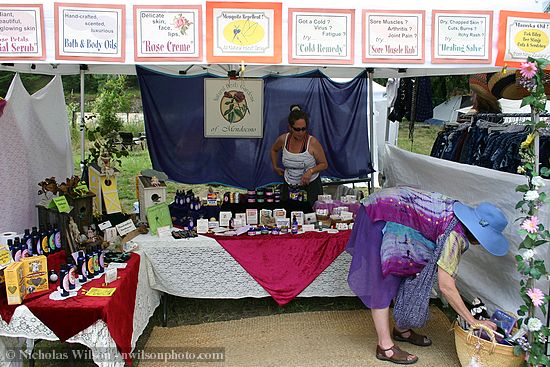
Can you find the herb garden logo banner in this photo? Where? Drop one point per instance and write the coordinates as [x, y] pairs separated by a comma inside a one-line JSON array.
[[233, 108]]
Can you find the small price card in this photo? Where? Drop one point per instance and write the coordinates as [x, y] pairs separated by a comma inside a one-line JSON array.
[[101, 292], [61, 204]]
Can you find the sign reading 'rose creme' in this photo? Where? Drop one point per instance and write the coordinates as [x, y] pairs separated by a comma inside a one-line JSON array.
[[233, 108]]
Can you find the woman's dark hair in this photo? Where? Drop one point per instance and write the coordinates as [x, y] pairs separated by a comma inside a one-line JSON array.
[[296, 114]]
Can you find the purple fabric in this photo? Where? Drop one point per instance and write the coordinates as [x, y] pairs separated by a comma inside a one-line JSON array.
[[365, 275]]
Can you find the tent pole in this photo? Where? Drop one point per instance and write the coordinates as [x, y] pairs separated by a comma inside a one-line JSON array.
[[370, 73], [82, 123]]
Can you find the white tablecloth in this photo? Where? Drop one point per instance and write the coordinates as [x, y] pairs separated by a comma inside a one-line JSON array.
[[201, 268], [24, 324]]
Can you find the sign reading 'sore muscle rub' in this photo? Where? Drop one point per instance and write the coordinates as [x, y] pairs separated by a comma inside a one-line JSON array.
[[22, 32], [167, 33], [393, 36], [90, 32]]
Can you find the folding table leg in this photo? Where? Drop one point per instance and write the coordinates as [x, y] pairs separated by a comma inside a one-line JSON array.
[[164, 301]]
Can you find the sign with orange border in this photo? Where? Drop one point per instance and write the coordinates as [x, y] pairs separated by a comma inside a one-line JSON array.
[[22, 32], [90, 32], [167, 33], [321, 36], [393, 36], [249, 32], [521, 35], [462, 36]]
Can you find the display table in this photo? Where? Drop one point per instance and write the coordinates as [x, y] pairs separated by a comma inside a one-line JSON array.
[[98, 337], [201, 268]]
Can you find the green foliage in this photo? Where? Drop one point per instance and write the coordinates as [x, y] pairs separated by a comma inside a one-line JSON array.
[[112, 99]]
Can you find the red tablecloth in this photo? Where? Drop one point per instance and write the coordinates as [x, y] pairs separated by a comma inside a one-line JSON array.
[[68, 317], [285, 265]]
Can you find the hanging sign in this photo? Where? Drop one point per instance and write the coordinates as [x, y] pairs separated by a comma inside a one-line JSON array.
[[89, 32], [393, 36], [522, 35], [323, 36], [22, 32], [462, 37], [233, 108], [249, 32], [167, 33]]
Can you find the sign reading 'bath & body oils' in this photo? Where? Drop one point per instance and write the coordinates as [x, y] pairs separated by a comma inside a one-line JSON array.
[[167, 33], [90, 32], [22, 32]]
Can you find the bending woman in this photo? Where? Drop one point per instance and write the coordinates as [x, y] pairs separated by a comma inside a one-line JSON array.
[[433, 216]]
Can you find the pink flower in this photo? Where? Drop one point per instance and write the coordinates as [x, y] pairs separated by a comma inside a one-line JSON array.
[[536, 295], [179, 22], [528, 69], [530, 224]]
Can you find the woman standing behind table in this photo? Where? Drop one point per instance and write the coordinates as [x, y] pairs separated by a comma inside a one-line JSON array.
[[303, 157]]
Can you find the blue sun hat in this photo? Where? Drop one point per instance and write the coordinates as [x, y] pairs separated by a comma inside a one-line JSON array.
[[486, 222]]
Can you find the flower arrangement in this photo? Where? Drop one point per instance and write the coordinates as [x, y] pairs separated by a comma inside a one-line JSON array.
[[531, 229], [182, 23]]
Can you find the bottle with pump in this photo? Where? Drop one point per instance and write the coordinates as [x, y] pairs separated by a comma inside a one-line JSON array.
[[294, 226]]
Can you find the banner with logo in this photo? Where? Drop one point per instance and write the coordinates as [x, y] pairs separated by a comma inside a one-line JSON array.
[[233, 108]]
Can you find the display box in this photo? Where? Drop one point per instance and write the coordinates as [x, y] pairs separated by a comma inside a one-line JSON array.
[[35, 271], [299, 217], [225, 218], [15, 283], [252, 216]]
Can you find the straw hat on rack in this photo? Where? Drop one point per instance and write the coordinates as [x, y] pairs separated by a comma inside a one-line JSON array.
[[506, 85], [479, 85]]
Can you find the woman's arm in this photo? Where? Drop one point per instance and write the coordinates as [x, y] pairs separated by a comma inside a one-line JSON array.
[[277, 146], [320, 158], [447, 286]]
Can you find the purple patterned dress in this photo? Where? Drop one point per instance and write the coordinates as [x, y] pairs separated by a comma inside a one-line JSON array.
[[428, 212]]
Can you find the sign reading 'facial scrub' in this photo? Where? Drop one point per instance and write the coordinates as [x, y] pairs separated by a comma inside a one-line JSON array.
[[522, 35], [393, 36], [324, 36], [461, 36], [22, 32], [167, 33], [90, 32], [233, 108]]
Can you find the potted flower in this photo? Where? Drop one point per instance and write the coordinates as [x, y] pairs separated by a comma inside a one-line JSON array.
[[534, 235]]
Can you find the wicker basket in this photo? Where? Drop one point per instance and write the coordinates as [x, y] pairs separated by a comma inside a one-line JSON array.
[[489, 353]]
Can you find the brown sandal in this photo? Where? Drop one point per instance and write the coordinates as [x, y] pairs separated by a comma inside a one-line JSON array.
[[399, 356], [413, 338]]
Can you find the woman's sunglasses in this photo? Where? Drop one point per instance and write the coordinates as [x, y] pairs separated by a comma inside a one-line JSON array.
[[298, 129]]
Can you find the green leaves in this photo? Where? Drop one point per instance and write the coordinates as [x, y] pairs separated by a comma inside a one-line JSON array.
[[522, 188]]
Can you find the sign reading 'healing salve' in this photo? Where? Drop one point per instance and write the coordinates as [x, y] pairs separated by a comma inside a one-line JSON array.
[[22, 32], [167, 33], [90, 32], [461, 36]]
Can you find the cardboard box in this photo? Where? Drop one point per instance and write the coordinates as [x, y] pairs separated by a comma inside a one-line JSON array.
[[35, 271], [15, 283]]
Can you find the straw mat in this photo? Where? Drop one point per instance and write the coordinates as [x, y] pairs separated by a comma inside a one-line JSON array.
[[328, 338]]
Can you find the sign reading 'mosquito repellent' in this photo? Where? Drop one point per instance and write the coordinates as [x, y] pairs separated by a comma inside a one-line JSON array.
[[522, 35], [90, 32], [321, 35], [167, 33], [393, 36], [22, 32]]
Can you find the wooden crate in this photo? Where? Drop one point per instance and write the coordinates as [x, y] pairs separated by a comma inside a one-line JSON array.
[[83, 208]]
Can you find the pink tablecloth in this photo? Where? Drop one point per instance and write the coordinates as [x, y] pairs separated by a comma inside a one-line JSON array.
[[285, 265]]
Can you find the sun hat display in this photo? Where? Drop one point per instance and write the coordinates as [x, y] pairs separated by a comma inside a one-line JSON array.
[[479, 85], [505, 85], [486, 222]]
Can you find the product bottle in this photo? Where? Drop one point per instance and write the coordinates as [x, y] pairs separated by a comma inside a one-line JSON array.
[[51, 239], [90, 274], [81, 264], [37, 244], [95, 254], [294, 227], [64, 281], [71, 270], [44, 245], [101, 259], [57, 238], [27, 242], [31, 243], [12, 249], [17, 249]]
